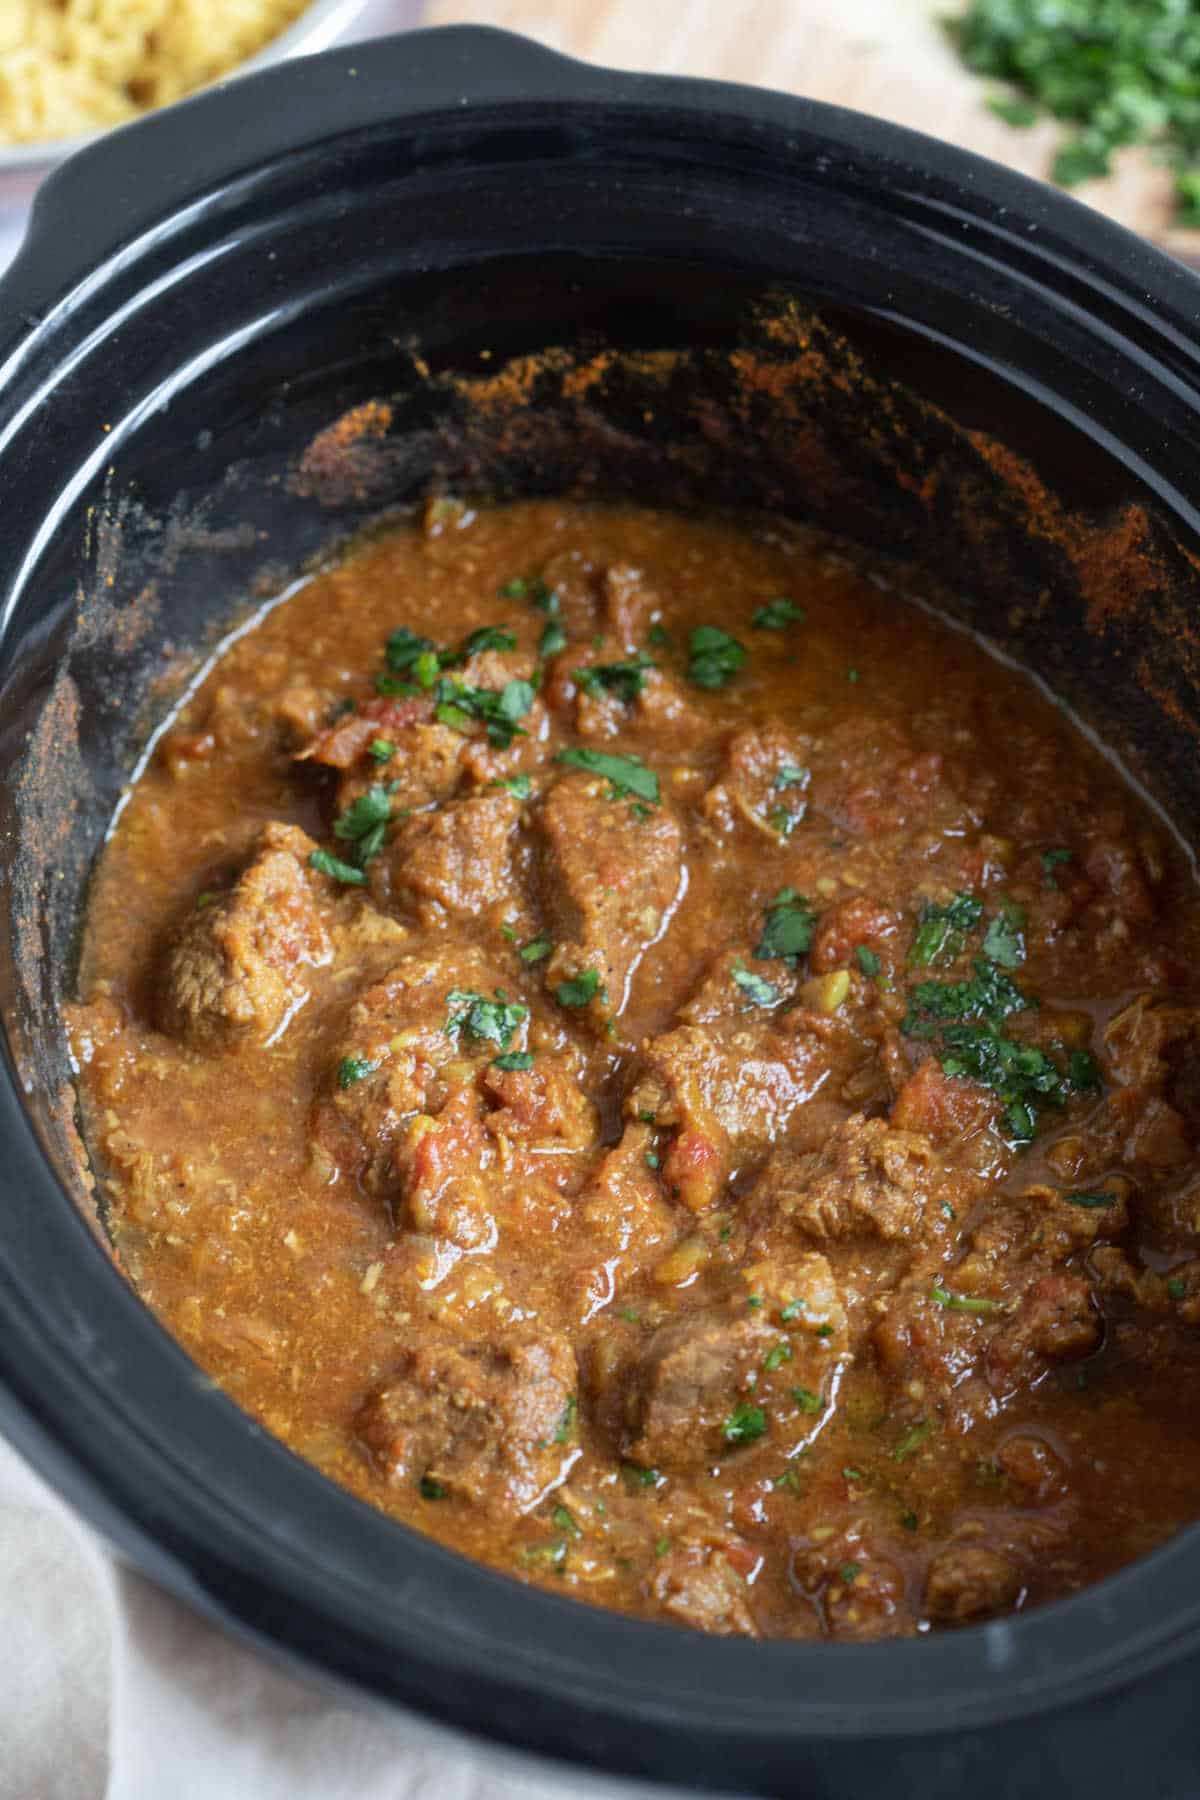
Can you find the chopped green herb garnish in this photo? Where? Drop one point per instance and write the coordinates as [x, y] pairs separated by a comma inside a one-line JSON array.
[[824, 1331], [326, 864], [1083, 1072], [554, 1553], [564, 1521], [867, 960], [777, 615], [792, 1310], [553, 639], [754, 1302], [790, 775], [850, 1572], [380, 750], [714, 657], [630, 1317], [757, 989], [624, 679], [788, 928], [852, 1475], [964, 1303], [579, 989], [516, 589], [1051, 860], [777, 1354], [789, 1479], [639, 1477], [641, 811], [851, 675], [744, 1424], [566, 1424], [519, 786], [364, 822], [782, 821], [909, 1520], [653, 1160], [352, 1069], [987, 995], [659, 636], [431, 1489], [205, 899], [1004, 939], [628, 774], [342, 710], [912, 1440], [807, 1401], [536, 950], [488, 637], [493, 1021], [941, 930], [1177, 1287], [514, 1061], [662, 1545], [462, 707], [404, 647], [1091, 1202]]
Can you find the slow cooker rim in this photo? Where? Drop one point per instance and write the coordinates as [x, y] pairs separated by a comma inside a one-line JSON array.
[[51, 1376]]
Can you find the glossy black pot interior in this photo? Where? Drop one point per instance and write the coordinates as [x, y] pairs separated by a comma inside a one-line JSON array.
[[199, 297]]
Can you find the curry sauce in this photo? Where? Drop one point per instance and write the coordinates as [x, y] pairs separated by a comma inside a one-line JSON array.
[[653, 1059]]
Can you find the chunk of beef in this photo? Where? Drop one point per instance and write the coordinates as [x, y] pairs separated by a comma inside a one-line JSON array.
[[626, 1219], [1057, 1321], [696, 1584], [784, 1330], [629, 606], [856, 1592], [342, 743], [727, 1086], [849, 924], [719, 996], [1035, 1472], [1155, 1045], [871, 779], [543, 1107], [237, 970], [968, 1581], [453, 862], [609, 881], [486, 1422], [959, 1117], [402, 1057], [867, 1180], [765, 769], [441, 1165]]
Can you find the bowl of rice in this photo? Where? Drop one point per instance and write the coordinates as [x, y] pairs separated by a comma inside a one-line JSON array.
[[71, 69]]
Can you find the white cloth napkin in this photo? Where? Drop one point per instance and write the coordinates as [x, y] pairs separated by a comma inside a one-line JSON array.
[[112, 1690]]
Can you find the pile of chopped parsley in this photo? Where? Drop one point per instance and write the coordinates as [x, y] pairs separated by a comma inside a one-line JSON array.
[[1121, 71]]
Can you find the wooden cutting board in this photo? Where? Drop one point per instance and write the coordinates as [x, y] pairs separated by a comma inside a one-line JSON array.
[[889, 57]]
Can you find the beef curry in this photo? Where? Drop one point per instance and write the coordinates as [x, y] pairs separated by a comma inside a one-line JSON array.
[[662, 1064]]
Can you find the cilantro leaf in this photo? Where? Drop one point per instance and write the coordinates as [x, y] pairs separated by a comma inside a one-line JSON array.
[[941, 930], [1004, 939], [777, 615], [536, 950], [404, 647], [964, 1303], [514, 1060], [756, 988], [493, 1021], [628, 774], [714, 657], [352, 1069], [624, 679], [553, 639], [488, 637], [867, 960], [788, 929], [326, 864], [744, 1424], [579, 989]]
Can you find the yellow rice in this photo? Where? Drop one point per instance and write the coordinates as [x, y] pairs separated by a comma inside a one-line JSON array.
[[70, 66]]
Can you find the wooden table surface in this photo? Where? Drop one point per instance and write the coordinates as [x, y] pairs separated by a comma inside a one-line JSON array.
[[889, 57]]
